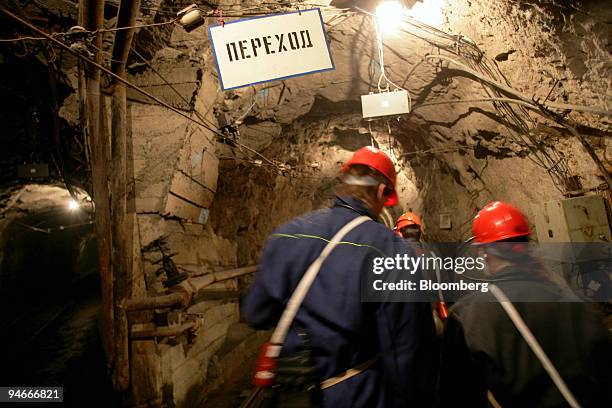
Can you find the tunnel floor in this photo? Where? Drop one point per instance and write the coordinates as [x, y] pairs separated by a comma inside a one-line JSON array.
[[57, 343], [235, 393]]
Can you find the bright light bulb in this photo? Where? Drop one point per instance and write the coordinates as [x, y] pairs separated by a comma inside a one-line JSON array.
[[73, 205], [428, 12], [389, 16]]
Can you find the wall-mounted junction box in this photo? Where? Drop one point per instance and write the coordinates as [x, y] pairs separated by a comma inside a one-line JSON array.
[[375, 105], [445, 221], [575, 243], [579, 219]]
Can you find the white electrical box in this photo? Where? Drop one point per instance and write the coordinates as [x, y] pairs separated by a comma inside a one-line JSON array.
[[445, 221], [580, 219], [384, 104]]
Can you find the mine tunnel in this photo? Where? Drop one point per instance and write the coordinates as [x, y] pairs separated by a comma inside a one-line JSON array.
[[172, 172]]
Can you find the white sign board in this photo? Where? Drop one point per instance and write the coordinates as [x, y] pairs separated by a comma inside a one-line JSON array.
[[267, 48]]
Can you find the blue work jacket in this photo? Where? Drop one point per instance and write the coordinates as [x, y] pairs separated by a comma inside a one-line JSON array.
[[343, 330]]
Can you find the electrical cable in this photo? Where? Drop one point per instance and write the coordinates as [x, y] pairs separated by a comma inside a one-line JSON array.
[[541, 156], [450, 102], [501, 100], [477, 60], [545, 158], [124, 81], [156, 72], [414, 67], [541, 108], [381, 63], [202, 118], [440, 149], [109, 54], [516, 93], [477, 55], [457, 40], [21, 39], [108, 30], [100, 67], [519, 95], [239, 120]]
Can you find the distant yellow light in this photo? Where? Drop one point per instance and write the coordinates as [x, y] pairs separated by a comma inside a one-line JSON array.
[[73, 205], [389, 16], [428, 12]]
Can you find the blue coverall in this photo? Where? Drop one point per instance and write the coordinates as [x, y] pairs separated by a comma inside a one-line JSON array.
[[345, 332]]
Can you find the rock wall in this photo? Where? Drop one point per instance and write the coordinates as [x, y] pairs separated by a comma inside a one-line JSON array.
[[175, 169], [216, 201], [457, 157], [537, 48]]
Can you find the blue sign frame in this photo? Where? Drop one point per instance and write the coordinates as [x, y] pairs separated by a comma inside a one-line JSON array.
[[212, 44]]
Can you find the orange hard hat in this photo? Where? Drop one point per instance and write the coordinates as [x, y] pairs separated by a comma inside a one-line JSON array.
[[498, 221], [407, 219], [377, 160]]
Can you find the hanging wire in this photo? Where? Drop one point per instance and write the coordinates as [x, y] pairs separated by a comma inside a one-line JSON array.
[[381, 63], [21, 39], [203, 123], [244, 115], [201, 117], [113, 29], [520, 123], [108, 30], [455, 44]]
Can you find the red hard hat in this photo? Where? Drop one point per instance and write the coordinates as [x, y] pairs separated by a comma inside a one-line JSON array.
[[498, 221], [407, 219], [379, 161]]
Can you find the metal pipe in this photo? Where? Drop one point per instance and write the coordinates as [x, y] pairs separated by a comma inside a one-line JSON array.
[[156, 302], [202, 282], [169, 331], [186, 290]]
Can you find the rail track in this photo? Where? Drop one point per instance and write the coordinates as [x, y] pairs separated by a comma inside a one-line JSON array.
[[255, 399]]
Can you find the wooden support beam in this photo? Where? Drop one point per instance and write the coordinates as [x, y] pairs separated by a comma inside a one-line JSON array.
[[91, 13], [122, 224]]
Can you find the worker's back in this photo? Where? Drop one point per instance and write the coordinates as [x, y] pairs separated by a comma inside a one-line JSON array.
[[343, 331], [484, 350]]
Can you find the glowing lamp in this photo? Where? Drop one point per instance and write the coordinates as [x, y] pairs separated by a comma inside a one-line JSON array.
[[73, 205], [389, 16]]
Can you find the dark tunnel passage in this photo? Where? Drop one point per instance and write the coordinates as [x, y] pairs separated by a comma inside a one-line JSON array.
[[50, 293]]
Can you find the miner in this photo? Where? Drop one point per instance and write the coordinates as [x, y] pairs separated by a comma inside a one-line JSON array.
[[409, 226], [528, 341], [365, 354]]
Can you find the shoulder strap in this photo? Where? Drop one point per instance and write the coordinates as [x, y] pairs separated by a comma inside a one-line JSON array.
[[534, 345], [280, 332]]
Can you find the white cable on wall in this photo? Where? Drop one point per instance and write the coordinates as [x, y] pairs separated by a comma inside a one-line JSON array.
[[381, 60]]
